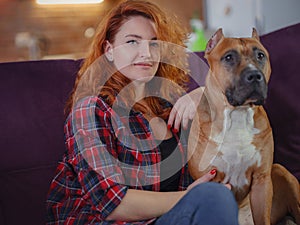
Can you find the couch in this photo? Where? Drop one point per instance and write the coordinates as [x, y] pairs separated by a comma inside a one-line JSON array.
[[33, 95]]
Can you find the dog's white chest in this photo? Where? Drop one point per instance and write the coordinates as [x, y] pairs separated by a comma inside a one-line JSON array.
[[235, 145]]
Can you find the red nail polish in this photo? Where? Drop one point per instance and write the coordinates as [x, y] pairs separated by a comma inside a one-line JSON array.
[[213, 171], [175, 130], [169, 126]]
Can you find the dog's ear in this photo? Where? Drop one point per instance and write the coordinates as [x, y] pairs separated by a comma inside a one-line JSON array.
[[255, 34], [214, 40]]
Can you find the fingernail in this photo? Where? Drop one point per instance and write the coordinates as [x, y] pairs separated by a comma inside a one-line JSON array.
[[213, 171], [169, 126], [175, 130]]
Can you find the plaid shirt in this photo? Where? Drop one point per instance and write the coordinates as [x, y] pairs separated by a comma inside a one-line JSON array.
[[109, 150]]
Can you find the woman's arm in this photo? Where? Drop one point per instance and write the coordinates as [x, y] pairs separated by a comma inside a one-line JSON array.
[[141, 205], [185, 109]]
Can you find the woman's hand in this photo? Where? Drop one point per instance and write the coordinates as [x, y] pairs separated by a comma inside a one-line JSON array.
[[206, 178], [185, 109]]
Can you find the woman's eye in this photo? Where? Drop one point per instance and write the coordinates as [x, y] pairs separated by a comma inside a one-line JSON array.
[[154, 44], [132, 42]]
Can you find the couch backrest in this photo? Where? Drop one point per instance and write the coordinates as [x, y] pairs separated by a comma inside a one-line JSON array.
[[32, 98], [283, 103]]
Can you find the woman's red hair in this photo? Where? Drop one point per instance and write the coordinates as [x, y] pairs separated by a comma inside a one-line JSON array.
[[96, 68]]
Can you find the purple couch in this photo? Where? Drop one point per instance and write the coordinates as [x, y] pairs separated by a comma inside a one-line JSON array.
[[33, 94]]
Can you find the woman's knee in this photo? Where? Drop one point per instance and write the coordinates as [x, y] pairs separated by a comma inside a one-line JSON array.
[[212, 191], [216, 197], [207, 203]]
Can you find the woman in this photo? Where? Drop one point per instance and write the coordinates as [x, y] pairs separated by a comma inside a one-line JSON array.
[[123, 163]]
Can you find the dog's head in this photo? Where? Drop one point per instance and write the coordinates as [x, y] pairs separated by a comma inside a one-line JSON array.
[[240, 68]]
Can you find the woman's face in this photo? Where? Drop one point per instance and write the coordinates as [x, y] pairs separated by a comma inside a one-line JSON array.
[[135, 51]]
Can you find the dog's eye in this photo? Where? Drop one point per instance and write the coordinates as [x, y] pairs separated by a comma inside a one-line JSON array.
[[260, 56], [229, 58]]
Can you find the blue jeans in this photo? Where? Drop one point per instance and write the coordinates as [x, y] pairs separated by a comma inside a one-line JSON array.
[[206, 204]]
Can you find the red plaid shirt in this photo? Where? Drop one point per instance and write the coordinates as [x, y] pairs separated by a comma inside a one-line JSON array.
[[109, 150]]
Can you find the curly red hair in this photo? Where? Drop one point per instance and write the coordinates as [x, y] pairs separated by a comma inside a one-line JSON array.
[[95, 68]]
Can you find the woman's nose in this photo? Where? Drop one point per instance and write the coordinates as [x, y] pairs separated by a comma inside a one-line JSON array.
[[145, 49]]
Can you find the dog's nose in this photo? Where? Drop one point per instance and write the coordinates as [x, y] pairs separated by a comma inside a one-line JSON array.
[[253, 76]]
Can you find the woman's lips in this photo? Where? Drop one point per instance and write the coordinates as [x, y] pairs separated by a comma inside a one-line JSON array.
[[143, 64]]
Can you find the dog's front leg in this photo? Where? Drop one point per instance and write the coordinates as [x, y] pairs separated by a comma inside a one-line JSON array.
[[261, 199]]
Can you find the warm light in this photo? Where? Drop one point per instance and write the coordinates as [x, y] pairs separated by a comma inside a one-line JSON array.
[[54, 2]]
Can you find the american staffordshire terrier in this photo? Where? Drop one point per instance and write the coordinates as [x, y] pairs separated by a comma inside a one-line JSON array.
[[231, 131]]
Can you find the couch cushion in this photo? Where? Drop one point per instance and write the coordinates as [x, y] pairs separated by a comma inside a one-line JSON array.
[[24, 194]]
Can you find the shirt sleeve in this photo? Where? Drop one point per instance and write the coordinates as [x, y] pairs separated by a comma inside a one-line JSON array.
[[90, 139]]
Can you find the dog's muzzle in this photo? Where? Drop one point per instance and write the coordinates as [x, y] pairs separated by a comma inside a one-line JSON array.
[[250, 88]]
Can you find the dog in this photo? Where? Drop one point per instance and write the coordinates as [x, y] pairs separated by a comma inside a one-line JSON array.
[[232, 134]]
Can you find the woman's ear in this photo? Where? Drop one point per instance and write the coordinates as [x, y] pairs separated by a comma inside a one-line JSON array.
[[108, 51]]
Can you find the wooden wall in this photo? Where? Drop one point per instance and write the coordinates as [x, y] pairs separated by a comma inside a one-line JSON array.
[[60, 30]]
